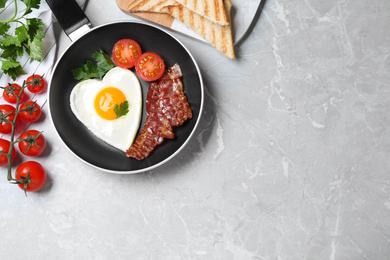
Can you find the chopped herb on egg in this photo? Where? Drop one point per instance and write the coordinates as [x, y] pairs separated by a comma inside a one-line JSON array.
[[122, 109]]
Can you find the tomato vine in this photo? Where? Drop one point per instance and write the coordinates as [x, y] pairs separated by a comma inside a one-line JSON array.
[[22, 181], [12, 139]]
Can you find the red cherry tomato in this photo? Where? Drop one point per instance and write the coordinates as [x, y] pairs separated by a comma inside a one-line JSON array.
[[31, 176], [33, 143], [150, 66], [125, 53], [36, 83], [7, 116], [30, 111], [11, 92], [5, 145]]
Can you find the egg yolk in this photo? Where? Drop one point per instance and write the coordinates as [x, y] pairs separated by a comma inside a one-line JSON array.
[[106, 100]]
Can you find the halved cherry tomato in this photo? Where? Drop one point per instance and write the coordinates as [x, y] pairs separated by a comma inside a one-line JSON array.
[[125, 53], [11, 92], [7, 116], [5, 145], [150, 66], [31, 176], [36, 83], [30, 111], [33, 143]]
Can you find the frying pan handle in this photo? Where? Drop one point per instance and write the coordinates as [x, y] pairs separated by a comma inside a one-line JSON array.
[[70, 16]]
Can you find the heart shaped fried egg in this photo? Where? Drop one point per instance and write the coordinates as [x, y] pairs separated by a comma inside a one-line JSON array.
[[93, 102]]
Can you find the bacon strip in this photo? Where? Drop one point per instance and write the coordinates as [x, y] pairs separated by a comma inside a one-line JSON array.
[[145, 143], [166, 106], [172, 100], [157, 121]]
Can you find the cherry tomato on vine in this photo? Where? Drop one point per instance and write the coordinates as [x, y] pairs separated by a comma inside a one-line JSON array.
[[7, 116], [32, 143], [11, 92], [30, 111], [30, 176], [149, 66], [36, 83], [5, 145], [125, 53]]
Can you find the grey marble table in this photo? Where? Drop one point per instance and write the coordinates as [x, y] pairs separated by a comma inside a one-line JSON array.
[[290, 159]]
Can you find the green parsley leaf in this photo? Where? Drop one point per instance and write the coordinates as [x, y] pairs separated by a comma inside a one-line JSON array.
[[32, 3], [9, 64], [122, 109], [12, 52], [11, 40], [103, 61], [2, 3], [27, 37], [21, 33], [35, 49], [35, 27], [86, 71], [4, 27], [12, 68], [94, 70], [36, 34]]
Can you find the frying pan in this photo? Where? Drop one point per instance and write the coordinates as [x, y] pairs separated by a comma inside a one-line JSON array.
[[87, 40]]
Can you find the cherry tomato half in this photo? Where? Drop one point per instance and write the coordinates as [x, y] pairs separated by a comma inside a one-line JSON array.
[[125, 53], [150, 66], [30, 111], [11, 92], [33, 143], [31, 176], [36, 83], [5, 145], [7, 116]]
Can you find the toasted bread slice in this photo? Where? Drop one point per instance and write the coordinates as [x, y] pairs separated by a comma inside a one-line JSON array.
[[149, 5], [211, 9], [220, 36]]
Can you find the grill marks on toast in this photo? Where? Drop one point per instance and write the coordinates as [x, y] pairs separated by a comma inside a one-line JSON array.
[[210, 9], [220, 36], [149, 5], [209, 18]]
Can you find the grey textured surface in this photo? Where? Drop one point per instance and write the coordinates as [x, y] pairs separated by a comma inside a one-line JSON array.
[[290, 160]]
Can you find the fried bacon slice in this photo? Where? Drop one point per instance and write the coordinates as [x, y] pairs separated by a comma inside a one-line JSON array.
[[172, 100], [147, 140], [166, 106], [157, 121]]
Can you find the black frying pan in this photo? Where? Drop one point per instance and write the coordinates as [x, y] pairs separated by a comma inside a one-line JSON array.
[[81, 142]]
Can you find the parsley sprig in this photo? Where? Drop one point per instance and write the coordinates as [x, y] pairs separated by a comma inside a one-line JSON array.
[[122, 109], [96, 69], [26, 38]]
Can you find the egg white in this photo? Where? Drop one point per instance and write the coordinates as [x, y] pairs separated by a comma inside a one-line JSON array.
[[120, 132]]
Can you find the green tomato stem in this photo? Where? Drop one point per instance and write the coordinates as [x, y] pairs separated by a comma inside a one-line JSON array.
[[12, 141]]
